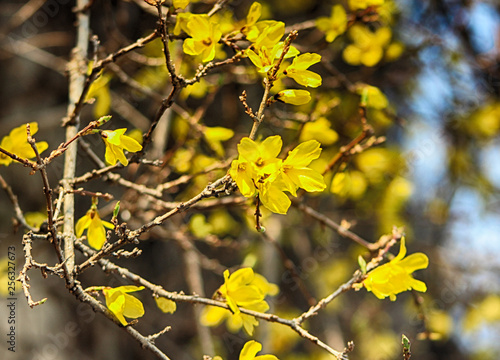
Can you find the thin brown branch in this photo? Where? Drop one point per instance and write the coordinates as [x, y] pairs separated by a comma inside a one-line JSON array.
[[333, 225], [15, 203]]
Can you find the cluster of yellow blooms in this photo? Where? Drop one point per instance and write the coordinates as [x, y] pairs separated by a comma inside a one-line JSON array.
[[258, 171]]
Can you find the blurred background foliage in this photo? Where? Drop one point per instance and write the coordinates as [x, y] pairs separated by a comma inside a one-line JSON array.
[[431, 72]]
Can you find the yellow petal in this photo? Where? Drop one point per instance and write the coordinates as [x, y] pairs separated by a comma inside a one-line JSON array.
[[250, 349], [166, 305]]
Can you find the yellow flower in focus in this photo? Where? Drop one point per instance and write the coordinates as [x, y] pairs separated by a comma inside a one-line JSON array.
[[367, 47], [396, 276], [17, 143], [96, 234], [256, 160], [250, 350], [334, 25], [121, 304], [294, 97], [245, 289], [258, 169], [116, 142], [363, 4], [298, 70], [295, 172], [238, 289], [205, 35], [264, 59]]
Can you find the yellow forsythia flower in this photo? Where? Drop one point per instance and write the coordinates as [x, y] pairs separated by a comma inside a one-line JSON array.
[[334, 25], [250, 350], [320, 130], [99, 90], [258, 169], [396, 276], [96, 234], [244, 289], [295, 172], [205, 35], [215, 136], [298, 70], [294, 97], [367, 47], [116, 142], [121, 304], [17, 143]]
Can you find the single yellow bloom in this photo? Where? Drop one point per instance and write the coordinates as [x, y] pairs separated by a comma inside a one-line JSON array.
[[298, 70], [367, 47], [243, 288], [295, 172], [294, 97], [250, 350], [396, 276], [96, 234], [121, 304], [116, 142], [17, 143], [334, 25], [205, 35], [238, 289]]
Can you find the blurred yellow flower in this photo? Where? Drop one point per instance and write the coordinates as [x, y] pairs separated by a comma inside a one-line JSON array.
[[121, 304], [17, 143], [334, 25], [180, 4], [166, 305], [320, 130], [367, 47], [396, 276]]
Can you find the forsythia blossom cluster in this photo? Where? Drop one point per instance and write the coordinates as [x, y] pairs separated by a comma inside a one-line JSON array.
[[245, 289], [267, 48], [258, 170]]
